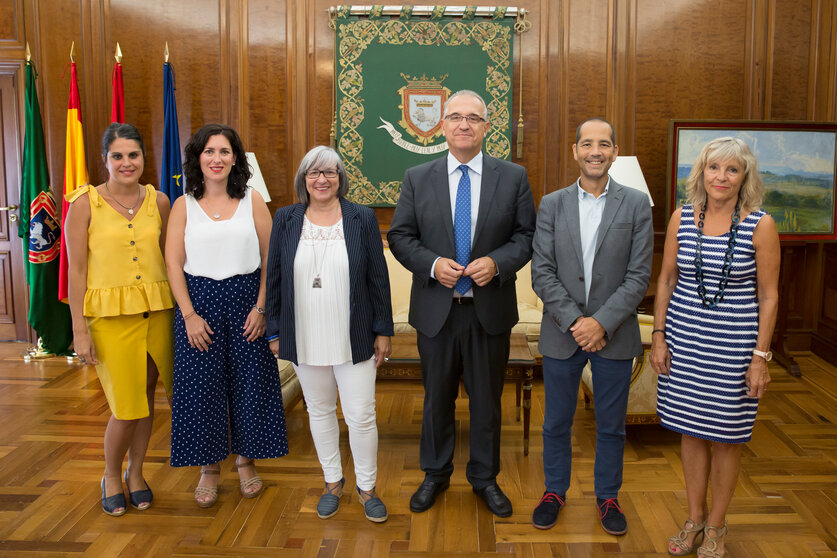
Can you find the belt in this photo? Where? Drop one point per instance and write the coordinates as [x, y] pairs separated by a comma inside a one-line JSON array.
[[463, 300]]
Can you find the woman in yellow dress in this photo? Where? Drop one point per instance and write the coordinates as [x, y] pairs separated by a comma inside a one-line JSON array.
[[122, 305]]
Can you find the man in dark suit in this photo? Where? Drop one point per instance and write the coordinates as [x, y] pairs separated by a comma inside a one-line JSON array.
[[463, 226], [591, 266]]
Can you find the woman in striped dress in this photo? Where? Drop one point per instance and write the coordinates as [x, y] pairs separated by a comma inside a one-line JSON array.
[[717, 296]]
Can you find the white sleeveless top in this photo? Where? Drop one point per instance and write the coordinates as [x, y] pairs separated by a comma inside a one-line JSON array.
[[322, 313], [221, 249]]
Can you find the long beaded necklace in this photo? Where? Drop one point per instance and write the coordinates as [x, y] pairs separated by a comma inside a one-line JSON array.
[[130, 209], [712, 302]]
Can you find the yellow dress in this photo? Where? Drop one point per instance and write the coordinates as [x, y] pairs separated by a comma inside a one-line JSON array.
[[128, 303]]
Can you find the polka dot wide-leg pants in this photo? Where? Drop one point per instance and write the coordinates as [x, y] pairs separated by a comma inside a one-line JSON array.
[[231, 388]]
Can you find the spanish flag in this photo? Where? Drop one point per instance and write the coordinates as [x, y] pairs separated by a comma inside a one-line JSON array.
[[75, 169]]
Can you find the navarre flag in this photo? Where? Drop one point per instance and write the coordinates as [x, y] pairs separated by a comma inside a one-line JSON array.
[[171, 177], [40, 232], [75, 169], [117, 106]]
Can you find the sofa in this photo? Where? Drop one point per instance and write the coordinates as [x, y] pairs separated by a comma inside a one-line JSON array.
[[643, 395], [291, 390]]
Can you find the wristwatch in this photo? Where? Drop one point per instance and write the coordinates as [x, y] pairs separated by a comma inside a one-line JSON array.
[[767, 356], [261, 310]]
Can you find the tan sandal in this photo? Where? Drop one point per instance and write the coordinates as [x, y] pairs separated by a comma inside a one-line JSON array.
[[709, 548], [245, 484], [207, 491], [679, 540]]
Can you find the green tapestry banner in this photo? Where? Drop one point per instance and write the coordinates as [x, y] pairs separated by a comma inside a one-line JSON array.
[[393, 78]]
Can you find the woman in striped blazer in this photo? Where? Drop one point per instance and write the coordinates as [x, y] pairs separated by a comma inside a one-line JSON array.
[[329, 313]]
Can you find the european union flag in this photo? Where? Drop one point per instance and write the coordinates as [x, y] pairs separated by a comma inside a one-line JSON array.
[[171, 181]]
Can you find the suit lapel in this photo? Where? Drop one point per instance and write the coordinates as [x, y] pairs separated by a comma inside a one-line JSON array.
[[488, 186], [441, 186], [612, 203], [572, 221], [351, 232]]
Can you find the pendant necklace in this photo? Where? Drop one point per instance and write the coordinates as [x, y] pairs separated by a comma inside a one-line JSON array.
[[318, 265], [130, 209], [713, 301]]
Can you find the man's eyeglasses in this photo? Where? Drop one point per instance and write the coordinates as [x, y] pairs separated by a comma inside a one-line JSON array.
[[315, 174], [472, 119]]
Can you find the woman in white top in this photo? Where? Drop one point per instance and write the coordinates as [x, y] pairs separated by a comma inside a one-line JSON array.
[[329, 312], [225, 377]]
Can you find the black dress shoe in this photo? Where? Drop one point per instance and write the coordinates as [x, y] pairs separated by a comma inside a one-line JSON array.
[[496, 501], [425, 496]]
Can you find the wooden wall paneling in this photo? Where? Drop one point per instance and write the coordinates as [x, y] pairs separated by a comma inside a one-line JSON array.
[[540, 115], [299, 72], [823, 68], [12, 27], [790, 51], [690, 63], [824, 341], [586, 55], [192, 29], [267, 88], [621, 90], [550, 90], [756, 53]]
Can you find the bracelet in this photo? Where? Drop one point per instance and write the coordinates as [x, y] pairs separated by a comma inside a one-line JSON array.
[[258, 309], [189, 315], [653, 331]]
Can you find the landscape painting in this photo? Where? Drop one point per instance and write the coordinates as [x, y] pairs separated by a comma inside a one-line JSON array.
[[796, 162]]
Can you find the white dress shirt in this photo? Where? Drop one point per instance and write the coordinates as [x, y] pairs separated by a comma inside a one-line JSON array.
[[590, 210]]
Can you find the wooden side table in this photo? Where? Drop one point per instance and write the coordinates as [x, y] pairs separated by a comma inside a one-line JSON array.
[[404, 363]]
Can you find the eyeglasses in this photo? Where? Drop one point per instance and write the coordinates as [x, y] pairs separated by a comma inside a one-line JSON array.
[[315, 174], [472, 119]]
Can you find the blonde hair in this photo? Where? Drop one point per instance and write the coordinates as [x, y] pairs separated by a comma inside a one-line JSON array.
[[751, 194]]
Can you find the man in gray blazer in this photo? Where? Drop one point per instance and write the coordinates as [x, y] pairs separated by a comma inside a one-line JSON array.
[[591, 266], [463, 226]]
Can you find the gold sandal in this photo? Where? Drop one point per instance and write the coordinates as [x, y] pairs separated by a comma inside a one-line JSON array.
[[679, 540], [245, 484], [207, 491], [709, 548]]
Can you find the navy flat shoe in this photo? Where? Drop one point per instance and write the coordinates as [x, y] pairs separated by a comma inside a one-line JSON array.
[[374, 507], [140, 499], [111, 503]]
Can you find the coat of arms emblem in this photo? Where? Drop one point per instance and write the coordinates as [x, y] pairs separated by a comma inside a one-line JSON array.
[[422, 102]]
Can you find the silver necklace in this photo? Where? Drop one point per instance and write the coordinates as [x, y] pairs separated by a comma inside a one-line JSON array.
[[130, 209]]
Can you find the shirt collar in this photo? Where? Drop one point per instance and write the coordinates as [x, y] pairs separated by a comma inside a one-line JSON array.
[[474, 164], [582, 193]]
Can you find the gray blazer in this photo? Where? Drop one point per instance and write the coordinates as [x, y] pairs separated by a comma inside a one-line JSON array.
[[621, 270], [422, 230]]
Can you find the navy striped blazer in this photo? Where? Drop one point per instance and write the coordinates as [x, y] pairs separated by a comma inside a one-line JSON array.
[[370, 314]]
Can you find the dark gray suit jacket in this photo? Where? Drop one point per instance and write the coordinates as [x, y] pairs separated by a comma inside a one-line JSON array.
[[621, 270], [422, 230], [370, 312]]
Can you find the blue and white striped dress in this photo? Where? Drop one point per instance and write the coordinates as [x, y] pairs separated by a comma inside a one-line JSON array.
[[711, 348]]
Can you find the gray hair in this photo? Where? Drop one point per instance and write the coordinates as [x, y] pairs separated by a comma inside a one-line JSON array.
[[320, 157], [470, 93]]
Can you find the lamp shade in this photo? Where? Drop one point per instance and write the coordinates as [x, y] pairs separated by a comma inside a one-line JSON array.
[[625, 170], [257, 180]]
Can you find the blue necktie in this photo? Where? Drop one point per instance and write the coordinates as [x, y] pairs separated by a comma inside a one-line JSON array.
[[462, 227]]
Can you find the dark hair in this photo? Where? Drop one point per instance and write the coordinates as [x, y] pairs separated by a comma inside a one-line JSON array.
[[239, 174], [320, 157], [596, 119], [124, 131]]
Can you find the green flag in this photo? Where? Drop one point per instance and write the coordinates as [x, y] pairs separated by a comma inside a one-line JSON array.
[[41, 233]]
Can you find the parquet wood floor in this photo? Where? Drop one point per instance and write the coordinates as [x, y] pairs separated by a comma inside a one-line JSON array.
[[53, 414]]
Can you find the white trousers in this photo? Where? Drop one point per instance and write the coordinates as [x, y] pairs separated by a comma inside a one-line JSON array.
[[356, 384]]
